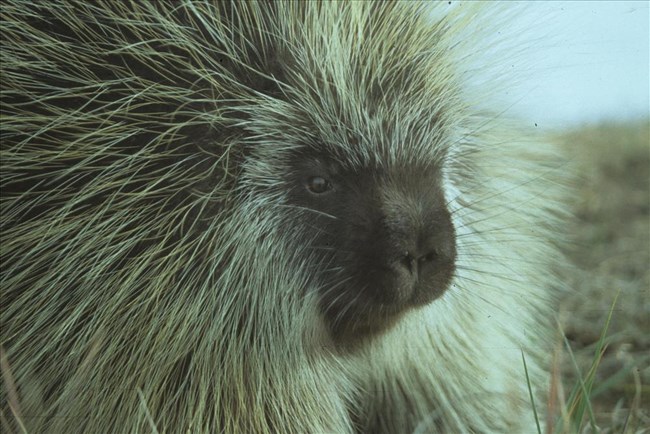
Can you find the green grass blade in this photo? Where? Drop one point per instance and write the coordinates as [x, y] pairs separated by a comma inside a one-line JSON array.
[[530, 392]]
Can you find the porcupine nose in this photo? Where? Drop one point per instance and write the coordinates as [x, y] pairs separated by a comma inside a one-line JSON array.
[[407, 250], [422, 264], [414, 260]]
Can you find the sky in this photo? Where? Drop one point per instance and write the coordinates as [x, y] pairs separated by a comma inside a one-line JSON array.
[[591, 62]]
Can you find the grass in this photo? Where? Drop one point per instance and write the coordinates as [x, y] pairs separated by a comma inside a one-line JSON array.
[[579, 402], [577, 413], [605, 363]]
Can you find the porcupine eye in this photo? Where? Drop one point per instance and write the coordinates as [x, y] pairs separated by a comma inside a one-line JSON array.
[[318, 185]]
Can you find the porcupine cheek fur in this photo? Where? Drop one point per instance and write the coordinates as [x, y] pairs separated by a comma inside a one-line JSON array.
[[381, 237]]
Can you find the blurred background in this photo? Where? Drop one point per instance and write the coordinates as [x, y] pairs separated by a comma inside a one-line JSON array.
[[586, 80]]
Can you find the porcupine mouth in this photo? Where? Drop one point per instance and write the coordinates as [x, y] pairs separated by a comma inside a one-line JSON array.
[[359, 319]]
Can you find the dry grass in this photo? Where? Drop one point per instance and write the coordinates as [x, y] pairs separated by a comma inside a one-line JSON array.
[[611, 248]]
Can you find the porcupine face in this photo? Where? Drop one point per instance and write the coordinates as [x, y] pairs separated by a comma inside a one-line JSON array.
[[370, 210], [383, 238]]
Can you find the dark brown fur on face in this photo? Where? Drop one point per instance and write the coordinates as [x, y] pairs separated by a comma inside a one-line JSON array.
[[385, 235]]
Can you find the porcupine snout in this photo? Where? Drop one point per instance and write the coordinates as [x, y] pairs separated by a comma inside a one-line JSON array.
[[390, 244], [417, 241]]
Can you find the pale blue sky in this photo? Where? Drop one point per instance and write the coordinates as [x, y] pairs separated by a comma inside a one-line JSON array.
[[593, 63]]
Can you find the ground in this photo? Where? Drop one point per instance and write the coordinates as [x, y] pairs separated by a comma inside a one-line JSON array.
[[610, 247]]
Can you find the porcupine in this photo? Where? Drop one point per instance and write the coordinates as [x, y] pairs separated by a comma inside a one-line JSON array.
[[265, 217]]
